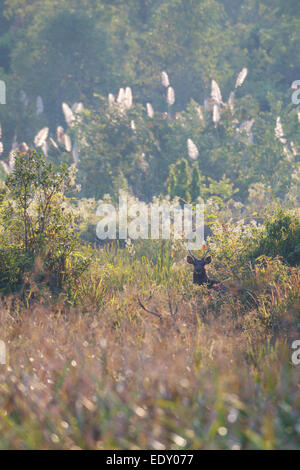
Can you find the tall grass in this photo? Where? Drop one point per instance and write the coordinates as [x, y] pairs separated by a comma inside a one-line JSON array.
[[102, 373]]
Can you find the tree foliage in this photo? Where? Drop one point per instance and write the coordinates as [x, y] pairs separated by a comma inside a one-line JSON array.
[[37, 226]]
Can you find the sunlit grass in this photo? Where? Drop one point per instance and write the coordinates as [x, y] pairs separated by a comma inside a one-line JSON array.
[[101, 373]]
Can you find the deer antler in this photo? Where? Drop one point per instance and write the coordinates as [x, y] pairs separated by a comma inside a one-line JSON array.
[[202, 257], [205, 254], [191, 254]]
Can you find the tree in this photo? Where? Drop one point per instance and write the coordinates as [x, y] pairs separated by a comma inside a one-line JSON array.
[[38, 189], [179, 180], [281, 237], [5, 40], [63, 54], [38, 223], [195, 186]]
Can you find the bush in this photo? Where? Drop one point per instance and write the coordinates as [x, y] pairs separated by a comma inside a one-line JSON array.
[[38, 226], [13, 263], [281, 238]]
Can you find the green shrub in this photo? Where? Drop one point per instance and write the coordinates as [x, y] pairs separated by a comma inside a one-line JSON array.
[[13, 263], [38, 226], [281, 238]]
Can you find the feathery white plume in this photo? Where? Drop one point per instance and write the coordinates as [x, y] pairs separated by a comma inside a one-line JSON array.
[[45, 148], [67, 143], [41, 137], [77, 107], [200, 114], [11, 160], [294, 151], [216, 115], [60, 132], [128, 97], [121, 96], [247, 125], [241, 77], [192, 149], [231, 102], [279, 131], [216, 93], [39, 106], [165, 79], [23, 147], [14, 144], [132, 125], [5, 167], [111, 99], [73, 107], [1, 144], [52, 142], [170, 96], [289, 155], [68, 113], [75, 153], [150, 111]]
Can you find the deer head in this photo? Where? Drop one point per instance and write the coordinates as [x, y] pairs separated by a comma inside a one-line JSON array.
[[199, 276]]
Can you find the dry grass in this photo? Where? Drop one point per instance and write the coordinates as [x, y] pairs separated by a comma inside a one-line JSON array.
[[108, 375]]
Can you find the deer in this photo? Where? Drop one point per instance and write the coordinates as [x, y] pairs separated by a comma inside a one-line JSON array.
[[199, 276]]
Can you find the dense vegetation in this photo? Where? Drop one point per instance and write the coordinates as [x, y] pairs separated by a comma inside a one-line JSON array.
[[109, 344], [78, 53]]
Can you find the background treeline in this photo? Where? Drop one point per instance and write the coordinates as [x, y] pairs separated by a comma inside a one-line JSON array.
[[81, 51], [112, 346]]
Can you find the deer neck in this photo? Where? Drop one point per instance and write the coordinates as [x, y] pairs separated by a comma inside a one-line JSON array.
[[200, 279]]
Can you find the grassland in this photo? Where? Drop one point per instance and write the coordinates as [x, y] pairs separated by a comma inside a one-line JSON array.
[[214, 372]]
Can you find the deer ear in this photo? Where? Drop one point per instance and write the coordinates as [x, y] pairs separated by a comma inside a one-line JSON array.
[[207, 260], [190, 260]]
